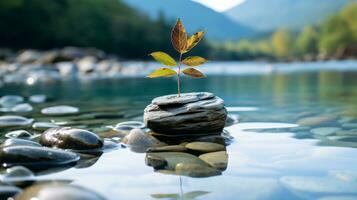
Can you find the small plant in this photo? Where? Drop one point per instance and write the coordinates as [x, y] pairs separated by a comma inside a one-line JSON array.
[[182, 44]]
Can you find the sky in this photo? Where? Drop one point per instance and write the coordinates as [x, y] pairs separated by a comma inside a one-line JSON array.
[[220, 5]]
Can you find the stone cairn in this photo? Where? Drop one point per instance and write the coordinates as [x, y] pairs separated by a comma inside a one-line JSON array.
[[193, 123]]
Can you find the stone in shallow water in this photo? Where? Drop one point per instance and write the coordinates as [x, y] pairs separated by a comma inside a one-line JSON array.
[[127, 126], [351, 132], [325, 131], [173, 158], [195, 170], [16, 173], [21, 142], [139, 141], [192, 113], [218, 160], [317, 120], [12, 120], [10, 100], [18, 134], [42, 126], [205, 147], [35, 156], [60, 110], [58, 192], [349, 125], [38, 98], [8, 191], [24, 107], [169, 148], [71, 138]]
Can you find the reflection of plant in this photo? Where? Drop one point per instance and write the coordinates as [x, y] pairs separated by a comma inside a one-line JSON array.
[[187, 196], [182, 44]]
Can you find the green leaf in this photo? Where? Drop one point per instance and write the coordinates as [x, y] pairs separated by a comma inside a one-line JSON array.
[[163, 58], [194, 40], [179, 37], [193, 73], [162, 72], [194, 61]]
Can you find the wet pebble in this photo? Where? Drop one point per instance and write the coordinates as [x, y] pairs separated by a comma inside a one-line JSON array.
[[42, 126], [139, 141], [204, 147], [24, 107], [129, 125], [218, 160], [10, 100], [325, 131], [12, 120], [173, 158], [38, 98], [169, 148], [71, 138], [19, 142], [60, 110], [58, 192], [18, 134], [196, 170], [17, 173], [35, 156]]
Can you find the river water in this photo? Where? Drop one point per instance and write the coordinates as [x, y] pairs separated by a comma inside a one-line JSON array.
[[296, 137]]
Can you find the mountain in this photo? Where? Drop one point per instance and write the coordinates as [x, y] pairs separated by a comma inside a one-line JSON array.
[[267, 15], [195, 17]]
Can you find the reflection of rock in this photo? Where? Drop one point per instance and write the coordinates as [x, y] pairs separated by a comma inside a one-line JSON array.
[[35, 156], [58, 192], [204, 147], [195, 170], [193, 113], [71, 138], [218, 160], [188, 195]]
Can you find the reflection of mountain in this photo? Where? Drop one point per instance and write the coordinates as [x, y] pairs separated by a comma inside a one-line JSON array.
[[295, 14], [195, 16]]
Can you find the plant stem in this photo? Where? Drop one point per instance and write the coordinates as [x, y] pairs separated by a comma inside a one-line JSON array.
[[178, 76]]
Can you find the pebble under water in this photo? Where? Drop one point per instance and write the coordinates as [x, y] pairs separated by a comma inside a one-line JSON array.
[[288, 136]]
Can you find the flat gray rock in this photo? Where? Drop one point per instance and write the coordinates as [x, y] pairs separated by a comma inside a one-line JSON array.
[[218, 160], [183, 99], [192, 113], [205, 147]]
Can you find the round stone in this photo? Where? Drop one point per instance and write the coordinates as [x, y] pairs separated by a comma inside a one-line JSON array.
[[205, 147], [18, 134], [35, 156], [10, 100], [24, 107], [71, 138], [139, 141], [218, 160], [19, 142], [60, 110], [12, 120], [38, 98]]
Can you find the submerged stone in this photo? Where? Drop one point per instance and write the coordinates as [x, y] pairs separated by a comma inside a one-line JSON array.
[[56, 191], [12, 120], [325, 131], [42, 126], [173, 158], [10, 100], [21, 142], [139, 141], [191, 113], [8, 191], [24, 107], [60, 110], [218, 160], [31, 155], [38, 98], [205, 147], [19, 134], [316, 120], [71, 138]]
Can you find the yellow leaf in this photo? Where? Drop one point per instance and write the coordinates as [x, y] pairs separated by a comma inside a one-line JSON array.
[[163, 58], [194, 40], [194, 61], [179, 37], [193, 73], [162, 72]]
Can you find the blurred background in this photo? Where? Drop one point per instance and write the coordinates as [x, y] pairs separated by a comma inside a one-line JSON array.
[[274, 30]]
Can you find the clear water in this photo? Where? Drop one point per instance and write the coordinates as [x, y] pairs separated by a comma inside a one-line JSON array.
[[274, 155]]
